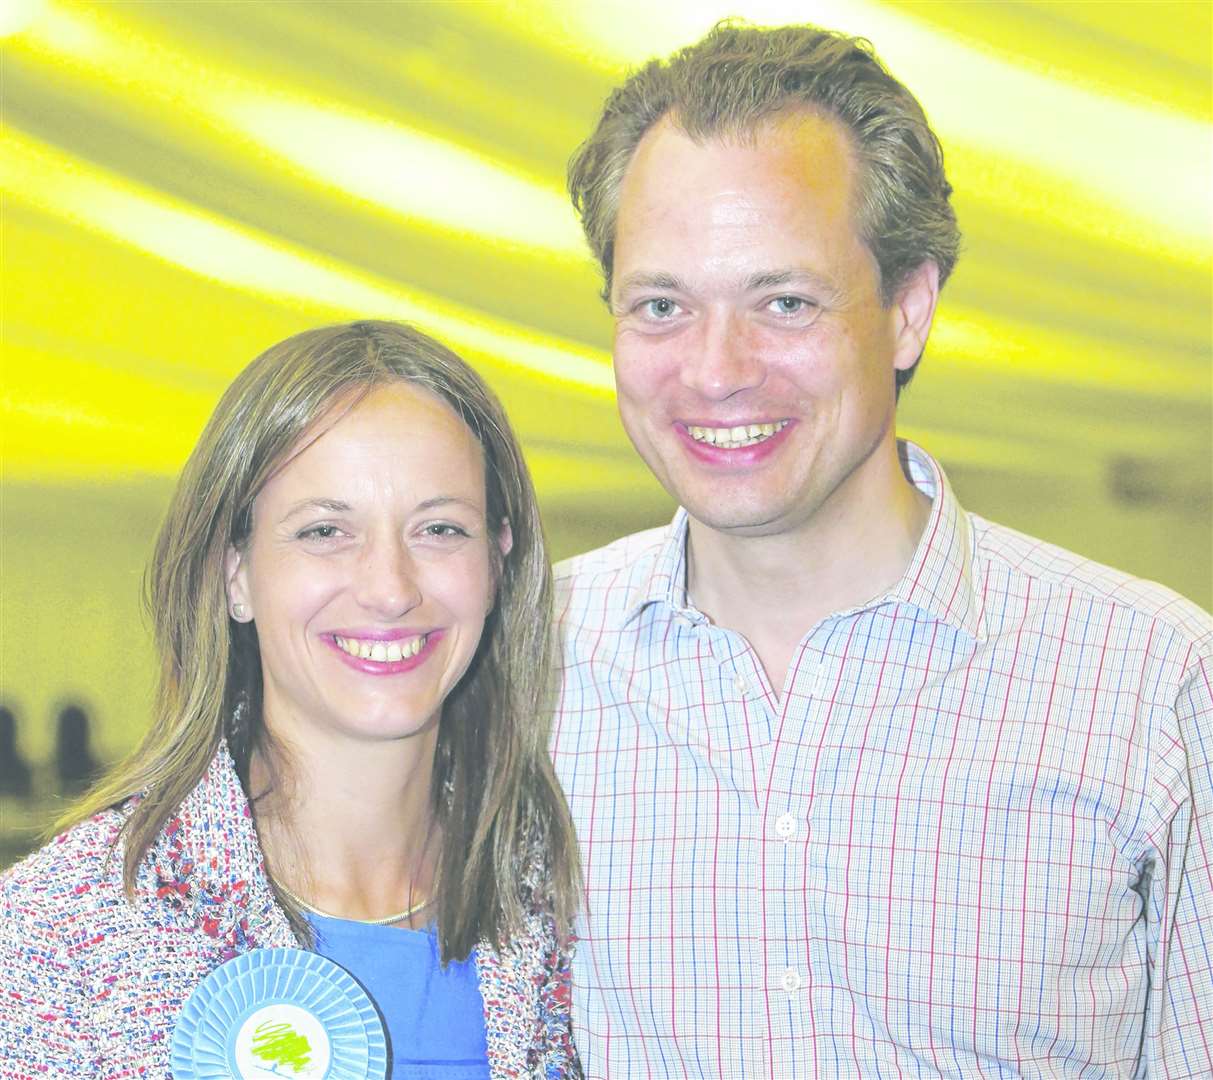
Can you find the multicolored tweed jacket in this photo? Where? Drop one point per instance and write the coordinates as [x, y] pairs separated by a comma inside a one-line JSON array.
[[91, 985]]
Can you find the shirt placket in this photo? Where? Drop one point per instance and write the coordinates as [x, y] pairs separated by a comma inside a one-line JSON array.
[[780, 782], [793, 895]]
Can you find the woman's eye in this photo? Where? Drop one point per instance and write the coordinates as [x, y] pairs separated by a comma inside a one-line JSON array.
[[444, 529], [319, 532]]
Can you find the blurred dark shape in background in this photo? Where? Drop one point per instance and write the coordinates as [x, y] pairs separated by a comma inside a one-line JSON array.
[[15, 774], [75, 765], [1147, 482]]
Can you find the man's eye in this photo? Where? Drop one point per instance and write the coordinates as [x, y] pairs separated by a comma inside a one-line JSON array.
[[789, 305], [660, 308]]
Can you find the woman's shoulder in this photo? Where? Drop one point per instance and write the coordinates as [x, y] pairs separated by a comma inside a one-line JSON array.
[[78, 871]]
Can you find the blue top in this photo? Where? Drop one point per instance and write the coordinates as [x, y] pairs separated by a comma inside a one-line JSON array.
[[434, 1017]]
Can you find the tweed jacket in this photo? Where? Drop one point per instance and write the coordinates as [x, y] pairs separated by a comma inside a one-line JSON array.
[[91, 984]]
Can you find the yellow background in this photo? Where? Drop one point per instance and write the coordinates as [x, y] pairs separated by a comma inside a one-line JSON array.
[[187, 183]]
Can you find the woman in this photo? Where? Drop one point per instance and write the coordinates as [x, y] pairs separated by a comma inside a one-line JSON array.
[[351, 606]]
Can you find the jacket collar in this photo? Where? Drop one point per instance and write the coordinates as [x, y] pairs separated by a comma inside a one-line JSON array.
[[206, 868], [939, 580]]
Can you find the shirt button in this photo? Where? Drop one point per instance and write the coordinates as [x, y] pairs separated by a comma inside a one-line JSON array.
[[785, 825], [741, 686], [791, 980]]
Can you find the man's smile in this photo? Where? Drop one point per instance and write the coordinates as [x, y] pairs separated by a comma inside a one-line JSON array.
[[737, 435]]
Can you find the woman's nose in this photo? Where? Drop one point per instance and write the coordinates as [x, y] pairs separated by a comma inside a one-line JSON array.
[[388, 582]]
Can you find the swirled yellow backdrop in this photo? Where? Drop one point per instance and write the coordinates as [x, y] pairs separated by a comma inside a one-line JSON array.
[[186, 183]]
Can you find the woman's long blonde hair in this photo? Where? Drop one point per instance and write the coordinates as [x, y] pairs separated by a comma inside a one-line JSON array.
[[497, 804]]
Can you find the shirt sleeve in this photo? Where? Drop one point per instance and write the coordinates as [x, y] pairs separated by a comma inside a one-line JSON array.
[[1179, 1024]]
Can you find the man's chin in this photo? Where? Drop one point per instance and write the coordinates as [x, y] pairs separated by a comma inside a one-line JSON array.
[[744, 521]]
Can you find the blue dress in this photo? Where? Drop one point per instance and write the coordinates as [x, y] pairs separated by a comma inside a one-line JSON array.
[[434, 1018]]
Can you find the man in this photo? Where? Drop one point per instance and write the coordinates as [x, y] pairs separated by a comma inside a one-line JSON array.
[[865, 785]]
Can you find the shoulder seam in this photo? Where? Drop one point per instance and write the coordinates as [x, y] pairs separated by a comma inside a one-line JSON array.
[[1161, 615]]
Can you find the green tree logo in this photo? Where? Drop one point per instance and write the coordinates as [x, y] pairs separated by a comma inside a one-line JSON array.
[[280, 1045]]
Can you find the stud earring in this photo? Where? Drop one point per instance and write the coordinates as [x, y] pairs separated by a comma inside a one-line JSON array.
[[238, 611]]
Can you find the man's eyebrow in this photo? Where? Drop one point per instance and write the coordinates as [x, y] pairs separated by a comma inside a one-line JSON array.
[[763, 279], [651, 280], [774, 279]]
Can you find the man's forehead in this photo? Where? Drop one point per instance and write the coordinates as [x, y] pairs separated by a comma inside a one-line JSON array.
[[736, 209], [803, 149]]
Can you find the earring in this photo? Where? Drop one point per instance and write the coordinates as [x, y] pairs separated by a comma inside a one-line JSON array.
[[238, 723], [238, 611]]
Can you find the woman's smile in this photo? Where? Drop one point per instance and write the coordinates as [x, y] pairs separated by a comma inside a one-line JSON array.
[[377, 655]]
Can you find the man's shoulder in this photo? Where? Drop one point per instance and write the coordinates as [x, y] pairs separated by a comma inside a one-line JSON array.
[[599, 587], [1057, 571], [617, 561]]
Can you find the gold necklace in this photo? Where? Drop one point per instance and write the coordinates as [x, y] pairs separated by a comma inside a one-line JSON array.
[[387, 920]]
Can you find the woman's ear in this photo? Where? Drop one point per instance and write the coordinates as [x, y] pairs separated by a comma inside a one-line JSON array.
[[505, 537], [235, 572]]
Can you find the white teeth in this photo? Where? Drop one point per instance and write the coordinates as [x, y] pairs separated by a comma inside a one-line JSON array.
[[381, 652], [733, 438]]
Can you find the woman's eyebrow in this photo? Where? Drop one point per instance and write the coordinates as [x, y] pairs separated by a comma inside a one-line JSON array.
[[446, 500], [333, 506]]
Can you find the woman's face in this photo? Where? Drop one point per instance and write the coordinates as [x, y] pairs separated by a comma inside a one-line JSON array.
[[369, 572]]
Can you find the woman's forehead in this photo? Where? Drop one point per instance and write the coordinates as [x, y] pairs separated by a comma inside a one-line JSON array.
[[396, 441]]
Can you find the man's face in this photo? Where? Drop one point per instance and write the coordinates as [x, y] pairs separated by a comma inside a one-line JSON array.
[[754, 360]]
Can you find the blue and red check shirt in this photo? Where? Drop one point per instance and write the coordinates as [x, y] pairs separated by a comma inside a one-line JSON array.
[[972, 837]]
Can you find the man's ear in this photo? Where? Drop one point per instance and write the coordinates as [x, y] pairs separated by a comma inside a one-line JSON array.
[[913, 313], [235, 572]]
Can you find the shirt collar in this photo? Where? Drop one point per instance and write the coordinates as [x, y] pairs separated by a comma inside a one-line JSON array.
[[939, 579], [661, 576]]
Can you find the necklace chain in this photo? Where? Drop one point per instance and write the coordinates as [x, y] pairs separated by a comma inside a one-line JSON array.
[[387, 920]]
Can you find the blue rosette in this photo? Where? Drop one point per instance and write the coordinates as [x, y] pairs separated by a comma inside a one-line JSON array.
[[279, 1013]]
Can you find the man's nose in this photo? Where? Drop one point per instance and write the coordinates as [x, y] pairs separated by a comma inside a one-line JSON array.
[[722, 362], [388, 583]]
